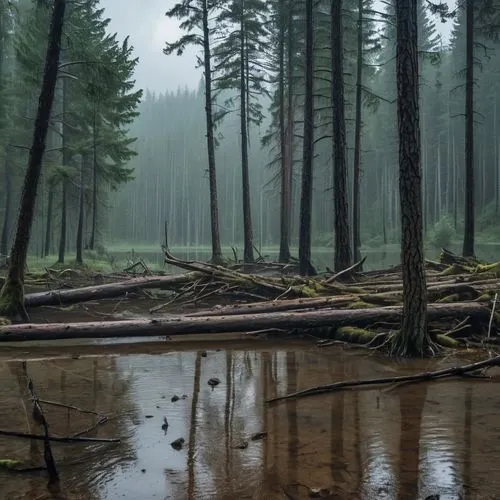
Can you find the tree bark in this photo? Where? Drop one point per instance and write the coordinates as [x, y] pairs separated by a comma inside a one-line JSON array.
[[342, 258], [357, 141], [93, 233], [230, 324], [12, 295], [4, 241], [247, 213], [468, 248], [306, 267], [107, 291], [79, 228], [212, 176], [413, 338], [64, 183], [284, 253], [48, 224]]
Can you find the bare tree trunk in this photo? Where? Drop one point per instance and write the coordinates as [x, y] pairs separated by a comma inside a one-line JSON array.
[[79, 229], [342, 259], [357, 140], [468, 248], [64, 184], [4, 241], [306, 267], [247, 213], [48, 224], [214, 210], [413, 338], [92, 241], [12, 295], [284, 255]]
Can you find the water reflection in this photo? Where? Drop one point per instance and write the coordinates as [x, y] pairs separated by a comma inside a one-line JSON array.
[[406, 443]]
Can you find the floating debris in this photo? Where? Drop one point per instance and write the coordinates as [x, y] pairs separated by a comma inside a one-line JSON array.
[[213, 382], [203, 354], [148, 416], [165, 424], [241, 446], [175, 398], [258, 435], [177, 444]]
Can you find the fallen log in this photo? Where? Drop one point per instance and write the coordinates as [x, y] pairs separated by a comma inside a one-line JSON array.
[[231, 324], [107, 291]]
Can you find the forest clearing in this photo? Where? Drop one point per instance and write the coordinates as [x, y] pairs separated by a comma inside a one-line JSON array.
[[350, 126]]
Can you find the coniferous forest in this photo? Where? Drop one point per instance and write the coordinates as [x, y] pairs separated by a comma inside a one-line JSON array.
[[330, 179], [120, 163]]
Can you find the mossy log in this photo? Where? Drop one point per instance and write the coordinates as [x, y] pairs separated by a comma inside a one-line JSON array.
[[230, 324]]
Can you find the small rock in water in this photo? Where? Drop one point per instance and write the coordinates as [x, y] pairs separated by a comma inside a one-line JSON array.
[[175, 398], [258, 435], [241, 446], [184, 396], [143, 470], [165, 424], [148, 416], [213, 382], [433, 497], [203, 354], [177, 444]]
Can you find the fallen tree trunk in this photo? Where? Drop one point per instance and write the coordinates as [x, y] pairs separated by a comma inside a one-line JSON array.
[[107, 291], [231, 324]]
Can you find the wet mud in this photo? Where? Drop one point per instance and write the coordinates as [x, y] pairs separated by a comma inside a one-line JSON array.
[[404, 442]]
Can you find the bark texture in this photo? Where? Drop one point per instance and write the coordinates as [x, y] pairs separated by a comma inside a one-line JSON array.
[[468, 249], [308, 151], [342, 258], [413, 338], [212, 177]]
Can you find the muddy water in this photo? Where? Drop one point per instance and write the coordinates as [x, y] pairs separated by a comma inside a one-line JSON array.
[[405, 442]]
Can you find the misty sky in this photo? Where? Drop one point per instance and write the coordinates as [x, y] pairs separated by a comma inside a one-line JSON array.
[[149, 28]]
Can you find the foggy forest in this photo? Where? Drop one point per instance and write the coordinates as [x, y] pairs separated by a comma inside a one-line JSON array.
[[218, 215], [149, 166]]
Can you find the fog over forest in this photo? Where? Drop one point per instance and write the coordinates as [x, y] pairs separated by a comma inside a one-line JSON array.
[[159, 175]]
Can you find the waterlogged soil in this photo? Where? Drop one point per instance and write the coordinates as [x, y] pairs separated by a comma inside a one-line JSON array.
[[397, 442]]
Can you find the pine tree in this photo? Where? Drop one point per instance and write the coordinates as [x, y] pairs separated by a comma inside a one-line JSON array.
[[12, 294], [239, 63], [196, 18]]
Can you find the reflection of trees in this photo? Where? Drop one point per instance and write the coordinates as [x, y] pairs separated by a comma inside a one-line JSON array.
[[411, 401], [193, 425], [293, 430], [66, 381]]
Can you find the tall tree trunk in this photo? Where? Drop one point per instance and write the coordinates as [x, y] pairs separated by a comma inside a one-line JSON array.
[[92, 241], [306, 267], [342, 259], [4, 241], [357, 140], [79, 228], [12, 295], [247, 214], [284, 255], [468, 248], [413, 338], [64, 184], [214, 210], [64, 210], [48, 223]]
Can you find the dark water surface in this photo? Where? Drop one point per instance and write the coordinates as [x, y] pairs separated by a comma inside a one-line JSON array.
[[405, 442]]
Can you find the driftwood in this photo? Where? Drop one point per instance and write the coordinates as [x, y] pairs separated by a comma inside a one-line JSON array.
[[419, 377], [240, 323]]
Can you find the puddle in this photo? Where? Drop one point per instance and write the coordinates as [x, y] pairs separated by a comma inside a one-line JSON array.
[[405, 443]]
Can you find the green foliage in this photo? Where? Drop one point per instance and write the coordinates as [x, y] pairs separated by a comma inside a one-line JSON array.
[[443, 232]]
